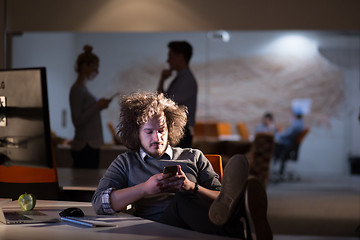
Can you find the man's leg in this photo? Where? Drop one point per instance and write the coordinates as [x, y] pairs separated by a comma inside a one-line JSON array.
[[232, 191], [256, 208], [229, 207], [191, 212], [188, 211]]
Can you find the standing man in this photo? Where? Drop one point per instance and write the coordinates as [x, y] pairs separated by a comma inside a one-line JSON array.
[[183, 89], [192, 196]]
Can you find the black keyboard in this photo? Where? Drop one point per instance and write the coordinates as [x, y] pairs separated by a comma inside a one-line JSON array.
[[15, 216]]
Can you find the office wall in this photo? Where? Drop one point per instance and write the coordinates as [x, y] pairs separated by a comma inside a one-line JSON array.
[[56, 52], [180, 15], [238, 80]]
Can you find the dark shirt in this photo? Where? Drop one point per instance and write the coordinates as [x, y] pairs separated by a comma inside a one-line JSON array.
[[183, 90]]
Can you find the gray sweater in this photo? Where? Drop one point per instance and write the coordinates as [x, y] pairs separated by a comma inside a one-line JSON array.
[[86, 118], [129, 169]]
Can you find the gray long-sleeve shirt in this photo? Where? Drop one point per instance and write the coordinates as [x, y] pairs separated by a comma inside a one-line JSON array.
[[129, 169], [86, 118], [183, 90]]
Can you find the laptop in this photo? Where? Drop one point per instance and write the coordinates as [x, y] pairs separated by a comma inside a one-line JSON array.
[[22, 217]]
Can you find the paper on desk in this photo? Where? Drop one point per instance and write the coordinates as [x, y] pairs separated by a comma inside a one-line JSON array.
[[87, 223]]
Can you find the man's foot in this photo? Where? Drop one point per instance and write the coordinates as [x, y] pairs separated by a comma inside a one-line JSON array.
[[232, 190], [256, 208]]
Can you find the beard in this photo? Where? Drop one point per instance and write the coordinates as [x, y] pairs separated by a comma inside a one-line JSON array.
[[155, 154]]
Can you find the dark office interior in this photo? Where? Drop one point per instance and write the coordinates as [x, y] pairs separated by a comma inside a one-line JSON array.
[[249, 57]]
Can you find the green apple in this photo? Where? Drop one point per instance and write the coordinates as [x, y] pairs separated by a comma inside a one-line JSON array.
[[27, 201]]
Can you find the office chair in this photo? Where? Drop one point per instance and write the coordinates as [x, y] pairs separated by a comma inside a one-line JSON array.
[[260, 156], [205, 129], [289, 153], [243, 131], [114, 135], [216, 162], [223, 128], [16, 180]]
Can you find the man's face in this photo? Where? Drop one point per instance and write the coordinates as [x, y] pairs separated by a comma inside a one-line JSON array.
[[267, 121], [154, 136], [174, 59]]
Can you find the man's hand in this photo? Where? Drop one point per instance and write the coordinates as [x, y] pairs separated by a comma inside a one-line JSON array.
[[103, 103], [178, 182], [154, 184], [165, 74], [187, 185]]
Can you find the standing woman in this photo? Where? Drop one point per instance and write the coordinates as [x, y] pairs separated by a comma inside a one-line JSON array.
[[85, 113]]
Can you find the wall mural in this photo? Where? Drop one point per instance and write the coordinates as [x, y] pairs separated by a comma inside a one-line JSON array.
[[241, 90]]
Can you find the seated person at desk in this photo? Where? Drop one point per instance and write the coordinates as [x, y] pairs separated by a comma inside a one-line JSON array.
[[288, 138], [267, 124], [191, 198]]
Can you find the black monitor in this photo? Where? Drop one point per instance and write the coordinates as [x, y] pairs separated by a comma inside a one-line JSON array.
[[25, 138]]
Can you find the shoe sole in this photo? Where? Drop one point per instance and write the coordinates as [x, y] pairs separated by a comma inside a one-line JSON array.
[[234, 183], [256, 211]]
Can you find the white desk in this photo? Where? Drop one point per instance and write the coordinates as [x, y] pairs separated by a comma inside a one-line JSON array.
[[78, 184], [127, 226], [79, 179]]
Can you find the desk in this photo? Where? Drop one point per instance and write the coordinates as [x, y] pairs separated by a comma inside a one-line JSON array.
[[108, 153], [225, 148], [79, 179], [78, 184], [126, 226]]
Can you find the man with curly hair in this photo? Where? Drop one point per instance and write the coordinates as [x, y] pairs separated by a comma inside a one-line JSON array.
[[193, 197]]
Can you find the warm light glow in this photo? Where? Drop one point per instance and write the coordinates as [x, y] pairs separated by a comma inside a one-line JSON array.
[[294, 44]]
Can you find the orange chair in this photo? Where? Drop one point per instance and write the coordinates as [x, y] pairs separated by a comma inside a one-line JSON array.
[[42, 182], [205, 129], [223, 128], [216, 162], [212, 129], [243, 130], [115, 137], [302, 135]]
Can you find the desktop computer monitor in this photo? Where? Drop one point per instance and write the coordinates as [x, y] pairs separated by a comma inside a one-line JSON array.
[[25, 138]]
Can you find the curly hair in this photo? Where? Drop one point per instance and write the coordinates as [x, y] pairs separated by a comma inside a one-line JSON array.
[[136, 109]]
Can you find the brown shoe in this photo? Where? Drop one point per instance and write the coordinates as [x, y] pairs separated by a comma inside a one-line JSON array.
[[232, 190], [256, 211]]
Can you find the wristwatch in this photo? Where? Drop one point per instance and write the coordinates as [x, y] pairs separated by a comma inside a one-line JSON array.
[[196, 188]]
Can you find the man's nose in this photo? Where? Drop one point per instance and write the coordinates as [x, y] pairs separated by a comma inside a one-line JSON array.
[[156, 136]]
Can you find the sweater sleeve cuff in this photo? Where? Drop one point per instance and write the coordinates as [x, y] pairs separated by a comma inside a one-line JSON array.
[[106, 201]]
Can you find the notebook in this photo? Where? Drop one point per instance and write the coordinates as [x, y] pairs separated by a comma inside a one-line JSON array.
[[20, 217]]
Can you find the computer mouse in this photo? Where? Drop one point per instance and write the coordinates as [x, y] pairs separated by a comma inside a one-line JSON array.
[[72, 212]]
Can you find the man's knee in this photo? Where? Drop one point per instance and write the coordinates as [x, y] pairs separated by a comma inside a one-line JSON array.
[[241, 158]]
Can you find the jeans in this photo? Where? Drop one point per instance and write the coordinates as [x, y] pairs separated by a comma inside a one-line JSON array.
[[189, 211]]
